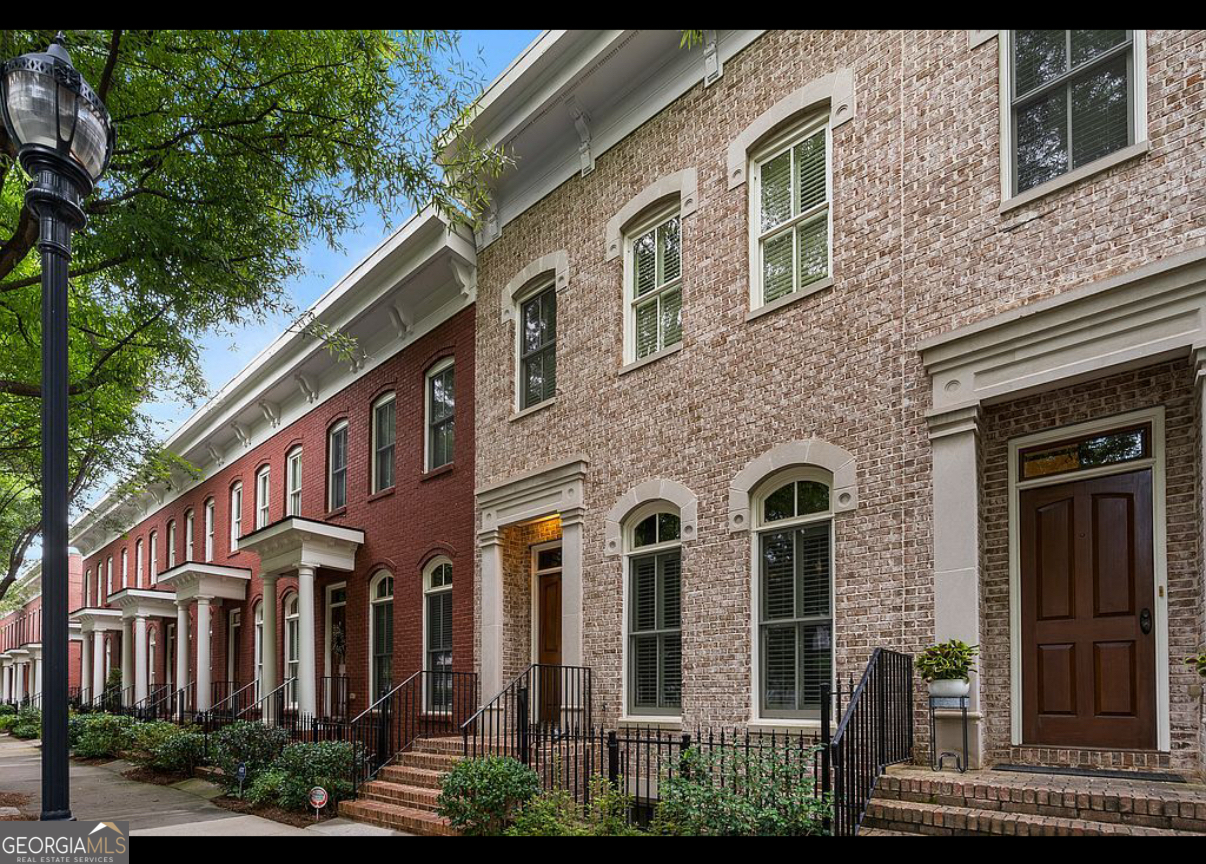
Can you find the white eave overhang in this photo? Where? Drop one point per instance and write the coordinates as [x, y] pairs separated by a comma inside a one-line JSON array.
[[139, 602], [294, 542], [193, 579], [92, 620]]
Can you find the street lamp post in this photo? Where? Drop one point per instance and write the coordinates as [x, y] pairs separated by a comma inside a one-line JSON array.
[[64, 140]]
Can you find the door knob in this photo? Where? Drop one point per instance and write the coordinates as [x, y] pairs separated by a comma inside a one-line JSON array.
[[1145, 621]]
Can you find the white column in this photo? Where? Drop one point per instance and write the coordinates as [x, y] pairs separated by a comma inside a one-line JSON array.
[[571, 587], [98, 663], [954, 439], [203, 658], [6, 679], [85, 666], [127, 658], [306, 702], [268, 641], [491, 660], [182, 676], [19, 696], [37, 675], [140, 658]]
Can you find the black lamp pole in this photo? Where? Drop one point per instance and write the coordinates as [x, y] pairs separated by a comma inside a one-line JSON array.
[[64, 140]]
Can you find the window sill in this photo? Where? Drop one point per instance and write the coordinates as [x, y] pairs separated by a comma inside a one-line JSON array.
[[1134, 151], [654, 722], [652, 358], [384, 493], [437, 472], [775, 305], [784, 725], [331, 514], [527, 412]]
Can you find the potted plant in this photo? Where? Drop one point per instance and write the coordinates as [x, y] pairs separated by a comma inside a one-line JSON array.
[[946, 667], [1198, 662]]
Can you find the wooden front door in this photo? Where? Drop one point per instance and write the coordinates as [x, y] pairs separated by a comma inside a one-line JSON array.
[[1088, 597], [548, 682]]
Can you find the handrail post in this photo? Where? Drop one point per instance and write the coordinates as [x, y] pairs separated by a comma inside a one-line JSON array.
[[521, 719], [826, 780]]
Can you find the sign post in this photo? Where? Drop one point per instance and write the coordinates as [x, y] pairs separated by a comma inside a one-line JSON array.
[[318, 800]]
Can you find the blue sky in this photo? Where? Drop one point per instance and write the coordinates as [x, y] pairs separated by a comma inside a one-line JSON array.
[[223, 356]]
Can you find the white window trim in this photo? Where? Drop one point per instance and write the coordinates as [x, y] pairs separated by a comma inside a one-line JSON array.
[[766, 487], [294, 456], [631, 301], [1139, 121], [109, 578], [429, 591], [635, 518], [234, 632], [172, 544], [190, 527], [781, 142], [537, 287], [153, 559], [88, 588], [263, 493], [125, 568], [209, 516], [291, 598], [139, 572], [439, 368], [534, 590], [152, 656], [341, 426], [374, 601], [379, 403], [236, 515], [258, 646]]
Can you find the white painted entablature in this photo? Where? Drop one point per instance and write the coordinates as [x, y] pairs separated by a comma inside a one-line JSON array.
[[191, 580], [294, 543]]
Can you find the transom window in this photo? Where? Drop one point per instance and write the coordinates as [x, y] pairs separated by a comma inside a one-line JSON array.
[[236, 515], [791, 193], [538, 348], [795, 614], [437, 588], [1072, 100], [337, 466], [1092, 451], [381, 634], [441, 415], [655, 616], [262, 479], [293, 476], [655, 289], [384, 434]]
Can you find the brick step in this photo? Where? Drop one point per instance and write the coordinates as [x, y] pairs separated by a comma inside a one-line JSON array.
[[453, 746], [428, 761], [884, 832], [397, 817], [943, 820], [418, 797], [1147, 804], [411, 776]]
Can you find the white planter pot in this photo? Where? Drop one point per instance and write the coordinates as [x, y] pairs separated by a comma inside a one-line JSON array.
[[949, 689]]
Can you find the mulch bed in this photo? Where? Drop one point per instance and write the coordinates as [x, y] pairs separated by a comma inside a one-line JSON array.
[[276, 814], [21, 802]]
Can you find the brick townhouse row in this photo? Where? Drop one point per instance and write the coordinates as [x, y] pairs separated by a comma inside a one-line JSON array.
[[767, 354]]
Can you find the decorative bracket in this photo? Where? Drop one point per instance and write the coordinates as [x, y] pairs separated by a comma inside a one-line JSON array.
[[241, 433], [582, 125], [713, 65], [401, 323], [307, 387], [465, 276], [215, 454], [271, 412]]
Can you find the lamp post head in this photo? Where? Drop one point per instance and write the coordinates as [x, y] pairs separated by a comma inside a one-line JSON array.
[[53, 115]]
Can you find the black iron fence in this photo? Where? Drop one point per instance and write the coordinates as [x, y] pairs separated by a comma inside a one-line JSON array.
[[333, 693], [542, 709], [426, 704]]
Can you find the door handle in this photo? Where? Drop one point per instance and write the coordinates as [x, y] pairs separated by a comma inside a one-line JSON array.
[[1145, 621]]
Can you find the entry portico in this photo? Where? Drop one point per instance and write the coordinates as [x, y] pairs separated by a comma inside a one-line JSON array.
[[94, 624], [1155, 314], [298, 546], [137, 605]]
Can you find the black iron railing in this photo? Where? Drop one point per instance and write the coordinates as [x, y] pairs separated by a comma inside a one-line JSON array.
[[145, 709], [875, 731], [424, 705], [220, 691], [333, 701], [271, 707], [542, 718]]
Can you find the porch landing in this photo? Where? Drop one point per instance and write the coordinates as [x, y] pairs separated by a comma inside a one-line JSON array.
[[914, 800]]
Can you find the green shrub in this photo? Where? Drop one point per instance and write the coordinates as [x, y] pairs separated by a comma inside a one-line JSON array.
[[148, 735], [266, 789], [481, 797], [100, 736], [179, 754], [732, 793], [6, 709], [1198, 663], [305, 766], [245, 742], [557, 814], [7, 722], [28, 723]]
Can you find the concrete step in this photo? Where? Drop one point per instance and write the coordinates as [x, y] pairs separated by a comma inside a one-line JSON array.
[[418, 797], [944, 820], [1137, 803], [399, 818], [406, 776]]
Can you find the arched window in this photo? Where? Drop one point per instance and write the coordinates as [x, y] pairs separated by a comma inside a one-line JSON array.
[[152, 657], [108, 577], [258, 649], [188, 536], [88, 588], [293, 476], [125, 568], [138, 571], [381, 634], [292, 646], [337, 466], [209, 530], [654, 619], [384, 436], [653, 284], [794, 543], [437, 633], [172, 544], [153, 558], [441, 414], [262, 478], [236, 515]]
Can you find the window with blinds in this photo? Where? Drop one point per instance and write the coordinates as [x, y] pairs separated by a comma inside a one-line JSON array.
[[655, 291], [337, 467], [384, 434], [538, 348], [293, 476], [792, 213], [1071, 100], [381, 636], [439, 638], [441, 416], [655, 618]]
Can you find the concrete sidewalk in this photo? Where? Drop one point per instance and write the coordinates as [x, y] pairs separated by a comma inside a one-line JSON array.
[[99, 792]]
